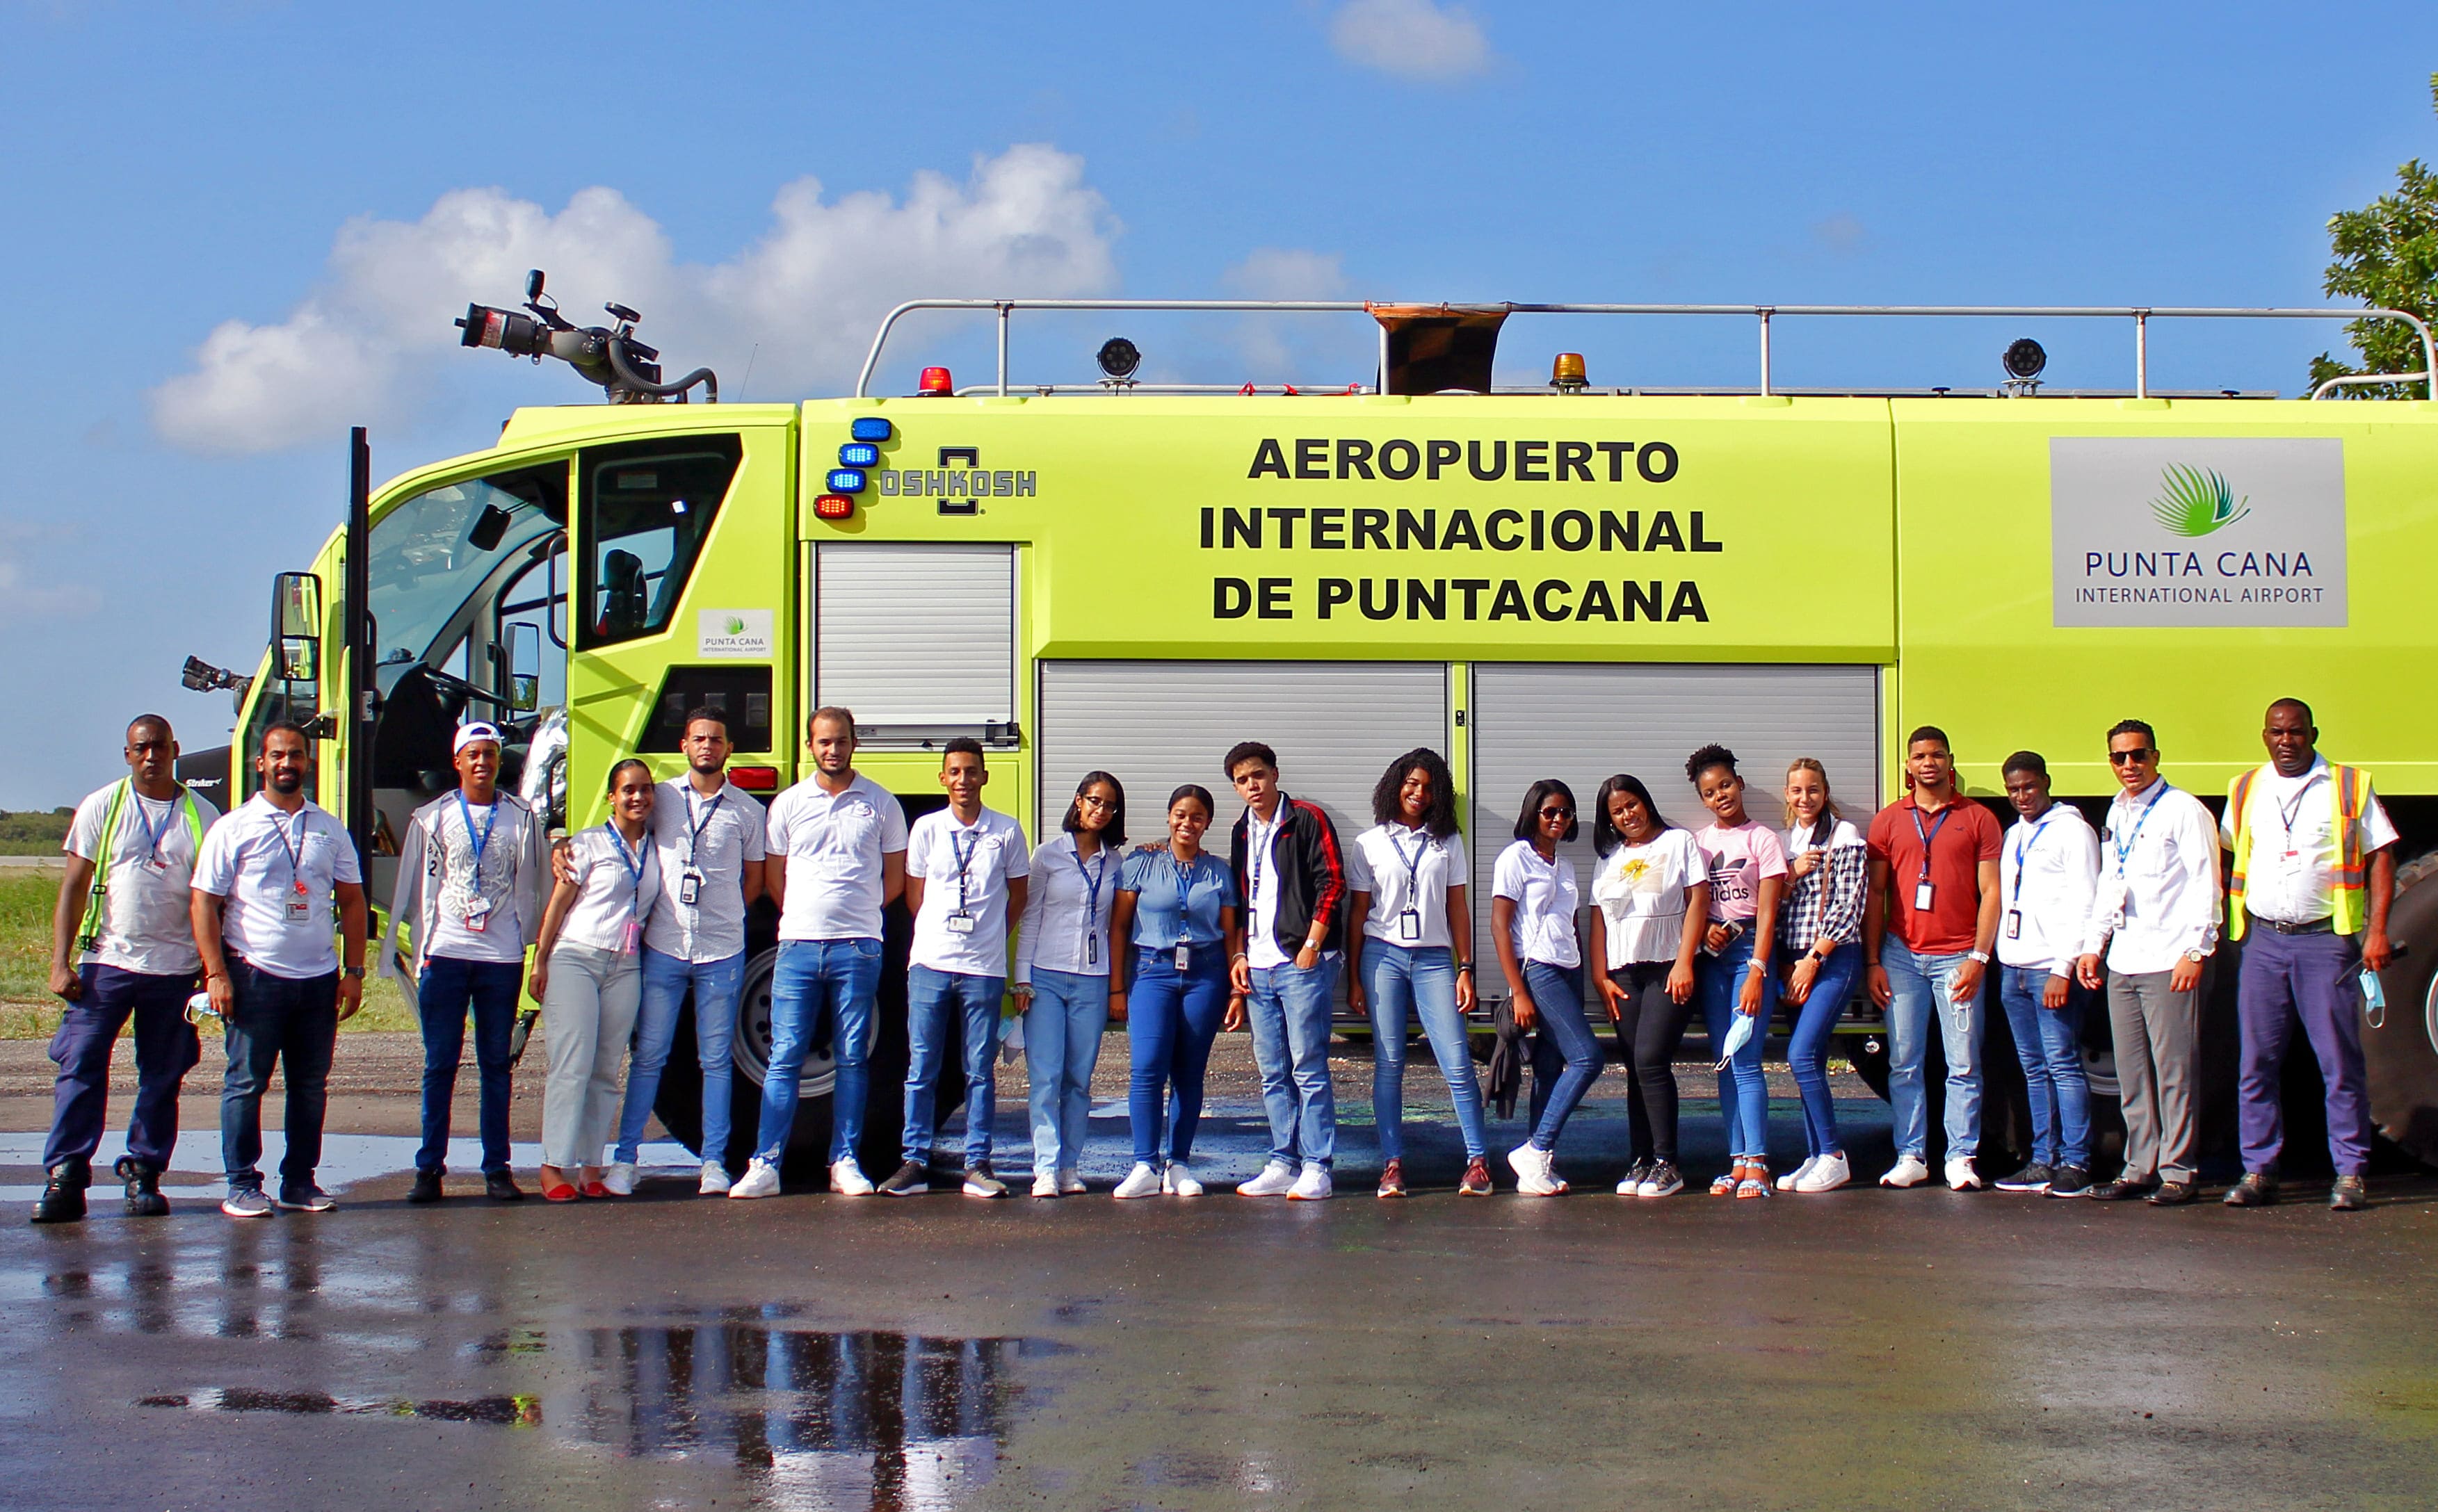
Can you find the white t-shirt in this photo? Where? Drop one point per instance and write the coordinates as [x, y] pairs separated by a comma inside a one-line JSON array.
[[1546, 899], [145, 924], [1641, 892], [834, 843], [717, 837], [984, 857], [461, 879], [1261, 886], [615, 884], [255, 858], [1405, 869], [2291, 875]]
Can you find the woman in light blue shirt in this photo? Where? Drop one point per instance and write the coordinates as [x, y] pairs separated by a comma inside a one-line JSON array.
[[1062, 975], [1176, 916]]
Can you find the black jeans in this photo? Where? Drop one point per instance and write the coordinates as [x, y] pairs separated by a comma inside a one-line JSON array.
[[291, 1023], [1650, 1027]]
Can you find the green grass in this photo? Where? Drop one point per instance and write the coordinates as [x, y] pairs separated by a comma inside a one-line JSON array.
[[33, 834], [27, 1009]]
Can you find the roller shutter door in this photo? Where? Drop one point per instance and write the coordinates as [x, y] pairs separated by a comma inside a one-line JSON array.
[[1160, 725], [918, 639], [1582, 723]]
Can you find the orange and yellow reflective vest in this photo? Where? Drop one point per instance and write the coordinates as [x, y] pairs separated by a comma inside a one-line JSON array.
[[2349, 789]]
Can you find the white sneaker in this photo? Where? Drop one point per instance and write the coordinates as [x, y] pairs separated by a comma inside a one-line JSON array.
[[761, 1179], [1961, 1176], [1792, 1180], [1907, 1171], [714, 1179], [620, 1179], [1045, 1185], [1276, 1179], [1069, 1184], [847, 1178], [1826, 1174], [1531, 1166], [1178, 1180], [1140, 1182], [1313, 1186]]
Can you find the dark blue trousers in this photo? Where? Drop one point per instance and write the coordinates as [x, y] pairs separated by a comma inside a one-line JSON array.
[[447, 988], [2311, 980], [167, 1047], [291, 1024]]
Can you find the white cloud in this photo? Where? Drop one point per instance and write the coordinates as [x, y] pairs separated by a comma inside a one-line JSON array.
[[1411, 39], [374, 339]]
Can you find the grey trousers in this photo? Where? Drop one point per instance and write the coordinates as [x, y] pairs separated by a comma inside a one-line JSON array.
[[588, 1016], [2158, 1035]]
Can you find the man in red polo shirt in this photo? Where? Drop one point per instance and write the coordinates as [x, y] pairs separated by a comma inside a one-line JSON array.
[[1929, 925]]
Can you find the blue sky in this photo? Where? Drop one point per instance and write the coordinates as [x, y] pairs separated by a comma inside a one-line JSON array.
[[235, 228]]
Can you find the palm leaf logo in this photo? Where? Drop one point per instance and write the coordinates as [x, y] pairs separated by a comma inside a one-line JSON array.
[[2195, 502]]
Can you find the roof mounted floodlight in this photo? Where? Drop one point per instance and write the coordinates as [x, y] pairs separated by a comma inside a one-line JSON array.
[[2024, 360], [1118, 357]]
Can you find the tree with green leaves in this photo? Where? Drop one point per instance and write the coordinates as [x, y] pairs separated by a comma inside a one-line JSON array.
[[2386, 255]]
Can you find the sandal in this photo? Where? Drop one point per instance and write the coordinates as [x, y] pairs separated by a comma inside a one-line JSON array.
[[1725, 1184], [560, 1193], [1756, 1182], [595, 1188]]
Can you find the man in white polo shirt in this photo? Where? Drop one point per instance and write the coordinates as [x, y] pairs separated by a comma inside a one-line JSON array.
[[965, 871], [265, 884], [836, 861], [122, 945]]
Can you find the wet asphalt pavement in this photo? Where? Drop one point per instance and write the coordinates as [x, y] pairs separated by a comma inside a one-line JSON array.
[[1866, 1348]]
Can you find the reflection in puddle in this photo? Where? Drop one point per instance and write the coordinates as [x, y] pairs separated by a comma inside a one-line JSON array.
[[508, 1412]]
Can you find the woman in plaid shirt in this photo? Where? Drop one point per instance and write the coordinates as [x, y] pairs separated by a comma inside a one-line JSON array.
[[1820, 940]]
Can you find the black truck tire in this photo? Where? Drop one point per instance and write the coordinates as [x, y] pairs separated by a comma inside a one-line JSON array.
[[2400, 1044]]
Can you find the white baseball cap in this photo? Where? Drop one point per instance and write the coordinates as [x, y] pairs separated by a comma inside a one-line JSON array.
[[479, 730]]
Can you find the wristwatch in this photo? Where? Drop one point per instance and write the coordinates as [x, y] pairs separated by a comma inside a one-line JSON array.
[[356, 972], [2195, 957], [1980, 955]]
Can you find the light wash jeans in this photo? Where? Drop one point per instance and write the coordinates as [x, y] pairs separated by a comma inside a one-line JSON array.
[[818, 983], [1919, 989], [1565, 1053], [1423, 978], [1744, 1091], [1062, 1043], [1807, 1050], [2049, 1045], [1289, 1010], [716, 984], [931, 998]]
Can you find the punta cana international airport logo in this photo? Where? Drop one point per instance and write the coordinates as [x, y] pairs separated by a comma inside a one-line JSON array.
[[2197, 531], [2194, 502]]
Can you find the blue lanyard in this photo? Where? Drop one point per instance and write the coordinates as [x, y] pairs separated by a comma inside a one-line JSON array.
[[2023, 847], [2125, 847], [169, 816], [479, 842], [1091, 885], [965, 854], [2287, 814], [633, 861], [1185, 875], [696, 826], [295, 852], [1413, 866]]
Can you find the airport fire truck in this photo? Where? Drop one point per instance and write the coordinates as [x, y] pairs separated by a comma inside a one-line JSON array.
[[1555, 581]]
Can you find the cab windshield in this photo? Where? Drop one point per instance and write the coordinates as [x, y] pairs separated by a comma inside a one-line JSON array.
[[427, 568]]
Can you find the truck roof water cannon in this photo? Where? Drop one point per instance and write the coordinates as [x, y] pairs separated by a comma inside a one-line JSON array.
[[627, 371]]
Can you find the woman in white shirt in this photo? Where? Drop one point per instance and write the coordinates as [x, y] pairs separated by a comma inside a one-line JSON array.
[[588, 977], [1061, 978], [1652, 898], [1533, 906], [1820, 940], [1411, 940]]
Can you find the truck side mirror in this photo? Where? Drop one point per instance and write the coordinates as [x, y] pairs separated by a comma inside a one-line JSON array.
[[297, 626], [525, 666]]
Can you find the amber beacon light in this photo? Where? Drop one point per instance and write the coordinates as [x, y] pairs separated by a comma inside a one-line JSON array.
[[1566, 372]]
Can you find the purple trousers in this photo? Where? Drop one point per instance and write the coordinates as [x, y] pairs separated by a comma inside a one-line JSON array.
[[2311, 977]]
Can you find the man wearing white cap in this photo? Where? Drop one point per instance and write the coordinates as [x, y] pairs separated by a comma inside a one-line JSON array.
[[469, 882]]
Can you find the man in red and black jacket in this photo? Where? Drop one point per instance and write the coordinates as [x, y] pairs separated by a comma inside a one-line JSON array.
[[1293, 880]]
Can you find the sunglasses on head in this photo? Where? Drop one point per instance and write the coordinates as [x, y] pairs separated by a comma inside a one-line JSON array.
[[2123, 758]]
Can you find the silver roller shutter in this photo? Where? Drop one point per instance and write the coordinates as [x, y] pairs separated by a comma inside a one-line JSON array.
[[1581, 723], [917, 639], [1160, 725]]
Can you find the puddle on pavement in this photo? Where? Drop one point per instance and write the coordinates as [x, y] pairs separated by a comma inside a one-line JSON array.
[[508, 1412]]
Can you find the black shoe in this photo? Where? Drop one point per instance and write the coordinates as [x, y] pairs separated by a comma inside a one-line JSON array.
[[2070, 1180], [911, 1180], [63, 1199], [2351, 1195], [2256, 1190], [426, 1188], [501, 1187], [2032, 1178], [2122, 1189], [144, 1199], [2175, 1193]]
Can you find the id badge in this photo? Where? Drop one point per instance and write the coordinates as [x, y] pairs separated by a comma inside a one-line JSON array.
[[1922, 892], [960, 923], [1091, 950], [160, 868], [1409, 927], [689, 888], [2014, 924], [300, 908], [478, 915], [1184, 956]]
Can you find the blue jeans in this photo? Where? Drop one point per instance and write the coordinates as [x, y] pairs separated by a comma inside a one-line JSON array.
[[1289, 1010], [1744, 1091], [931, 995], [1062, 1043], [1565, 1053], [717, 985], [291, 1023], [1918, 985], [818, 983], [444, 991], [167, 1047], [1807, 1051], [2049, 1045], [1394, 976], [1171, 1017]]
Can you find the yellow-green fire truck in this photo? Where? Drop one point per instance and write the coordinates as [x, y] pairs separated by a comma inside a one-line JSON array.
[[1555, 581]]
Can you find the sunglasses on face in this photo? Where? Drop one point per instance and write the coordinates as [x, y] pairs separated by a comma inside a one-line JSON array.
[[2126, 758], [1557, 812]]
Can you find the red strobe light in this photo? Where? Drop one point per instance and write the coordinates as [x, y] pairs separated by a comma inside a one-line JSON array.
[[833, 506], [936, 382]]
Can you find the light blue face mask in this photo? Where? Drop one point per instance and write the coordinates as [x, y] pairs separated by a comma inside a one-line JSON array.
[[1737, 1037]]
